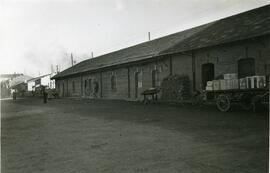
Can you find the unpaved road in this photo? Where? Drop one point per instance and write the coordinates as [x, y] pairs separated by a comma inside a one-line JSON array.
[[82, 136]]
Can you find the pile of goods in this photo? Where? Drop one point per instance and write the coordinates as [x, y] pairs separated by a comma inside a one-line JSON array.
[[231, 81], [176, 87]]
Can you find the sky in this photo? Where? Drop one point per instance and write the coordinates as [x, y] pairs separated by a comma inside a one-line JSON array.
[[36, 35]]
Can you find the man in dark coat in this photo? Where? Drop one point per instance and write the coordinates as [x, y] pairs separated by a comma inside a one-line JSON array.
[[45, 96], [14, 95]]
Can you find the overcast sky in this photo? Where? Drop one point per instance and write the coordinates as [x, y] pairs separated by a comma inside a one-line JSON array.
[[35, 34]]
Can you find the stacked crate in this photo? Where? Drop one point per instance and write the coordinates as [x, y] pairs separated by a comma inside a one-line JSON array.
[[216, 85], [253, 82], [209, 86], [231, 82]]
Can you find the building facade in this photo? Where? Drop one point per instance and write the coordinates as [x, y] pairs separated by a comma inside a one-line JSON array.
[[237, 44]]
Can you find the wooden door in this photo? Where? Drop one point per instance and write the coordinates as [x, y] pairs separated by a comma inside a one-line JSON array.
[[208, 73], [63, 90], [154, 77], [246, 67], [136, 84]]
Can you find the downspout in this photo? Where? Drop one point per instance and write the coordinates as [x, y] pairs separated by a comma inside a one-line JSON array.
[[128, 82], [171, 70], [67, 88], [81, 86], [193, 71], [101, 84]]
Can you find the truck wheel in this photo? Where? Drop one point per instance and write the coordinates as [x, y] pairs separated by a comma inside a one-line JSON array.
[[223, 103]]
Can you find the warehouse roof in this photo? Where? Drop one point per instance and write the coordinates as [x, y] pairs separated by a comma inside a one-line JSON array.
[[242, 26]]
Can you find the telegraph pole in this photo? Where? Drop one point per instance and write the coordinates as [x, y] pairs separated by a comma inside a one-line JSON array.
[[71, 57], [92, 54], [149, 36]]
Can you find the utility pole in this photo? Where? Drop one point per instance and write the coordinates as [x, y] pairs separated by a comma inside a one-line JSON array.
[[149, 36], [71, 56], [92, 54]]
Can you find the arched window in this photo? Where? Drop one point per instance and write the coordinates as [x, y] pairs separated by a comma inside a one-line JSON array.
[[246, 67], [113, 83]]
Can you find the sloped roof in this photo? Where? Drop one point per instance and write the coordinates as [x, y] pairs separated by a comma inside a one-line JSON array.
[[245, 25], [39, 77], [18, 80], [242, 26], [10, 75]]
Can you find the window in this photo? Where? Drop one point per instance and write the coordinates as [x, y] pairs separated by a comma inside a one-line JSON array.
[[138, 82], [63, 90], [155, 82], [85, 84], [90, 85], [73, 86], [113, 83], [246, 67]]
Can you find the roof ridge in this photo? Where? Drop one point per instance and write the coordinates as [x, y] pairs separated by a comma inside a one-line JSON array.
[[228, 29]]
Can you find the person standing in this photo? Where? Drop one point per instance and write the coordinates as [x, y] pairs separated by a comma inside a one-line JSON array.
[[45, 96], [14, 95]]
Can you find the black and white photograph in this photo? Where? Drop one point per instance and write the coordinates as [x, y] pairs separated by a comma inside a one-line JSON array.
[[134, 86]]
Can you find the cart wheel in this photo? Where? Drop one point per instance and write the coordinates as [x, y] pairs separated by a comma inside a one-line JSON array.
[[246, 102], [223, 103]]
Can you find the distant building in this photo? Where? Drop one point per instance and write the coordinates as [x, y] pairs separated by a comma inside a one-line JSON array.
[[8, 81], [237, 44], [41, 81], [19, 84], [9, 76]]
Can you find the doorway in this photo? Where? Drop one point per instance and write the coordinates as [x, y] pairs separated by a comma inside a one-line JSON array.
[[154, 78], [246, 67], [136, 84], [63, 90], [208, 73]]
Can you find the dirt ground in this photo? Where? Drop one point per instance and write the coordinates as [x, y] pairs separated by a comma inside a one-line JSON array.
[[82, 136]]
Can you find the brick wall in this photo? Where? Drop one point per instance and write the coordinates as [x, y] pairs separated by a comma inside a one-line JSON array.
[[120, 90], [74, 87], [88, 90], [225, 58], [162, 67]]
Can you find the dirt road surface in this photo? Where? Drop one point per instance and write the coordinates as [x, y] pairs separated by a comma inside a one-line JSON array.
[[82, 136]]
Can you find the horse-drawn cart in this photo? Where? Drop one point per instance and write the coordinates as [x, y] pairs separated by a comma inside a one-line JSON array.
[[246, 98]]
